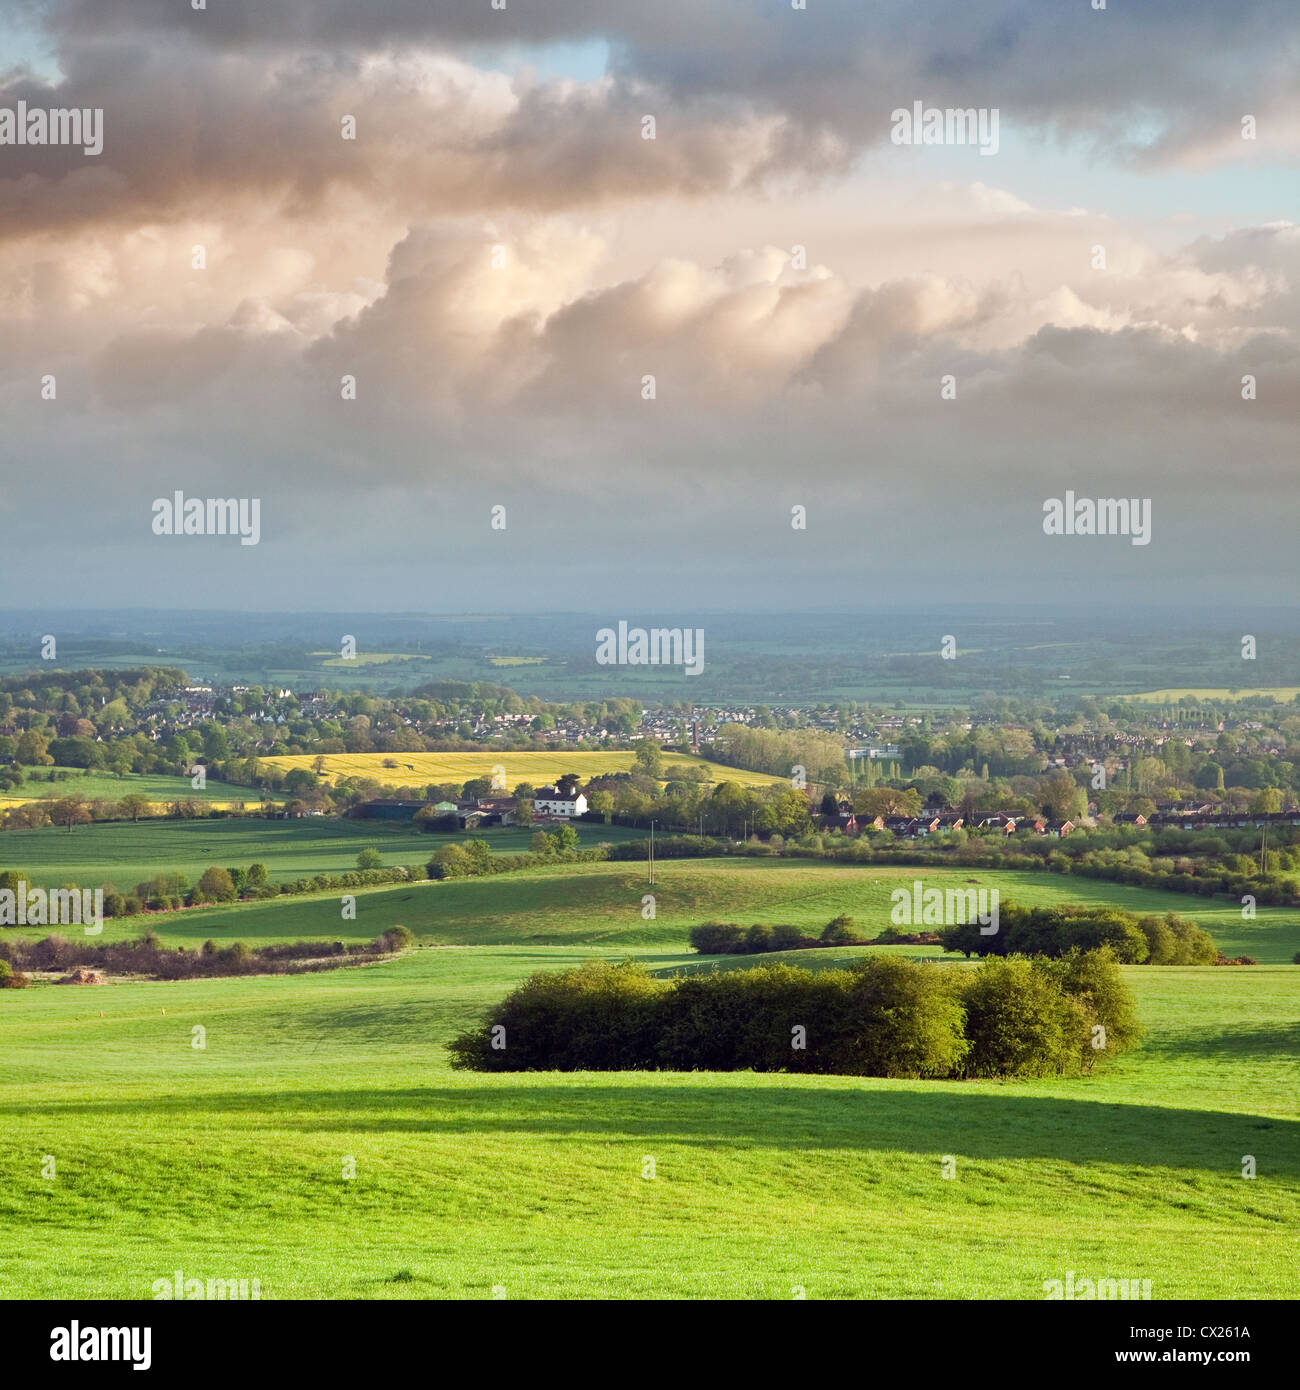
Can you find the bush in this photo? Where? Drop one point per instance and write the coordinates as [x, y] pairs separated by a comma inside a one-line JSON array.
[[839, 932], [717, 939], [1093, 979], [11, 978], [1054, 931], [396, 938], [1018, 1021], [1175, 940], [759, 938], [214, 886], [596, 1017], [907, 1020], [370, 859], [883, 1016]]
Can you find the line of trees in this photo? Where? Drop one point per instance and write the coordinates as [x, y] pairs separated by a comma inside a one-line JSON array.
[[1055, 931], [146, 955], [882, 1016]]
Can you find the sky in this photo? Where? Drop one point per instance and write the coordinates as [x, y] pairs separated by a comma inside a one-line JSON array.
[[500, 260]]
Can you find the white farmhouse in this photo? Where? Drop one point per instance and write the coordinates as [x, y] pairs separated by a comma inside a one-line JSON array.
[[548, 801]]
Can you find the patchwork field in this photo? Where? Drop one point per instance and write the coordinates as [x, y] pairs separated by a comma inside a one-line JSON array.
[[537, 768]]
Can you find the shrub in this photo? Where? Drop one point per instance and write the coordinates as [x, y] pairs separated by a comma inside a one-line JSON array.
[[450, 862], [880, 1017], [1018, 1021], [595, 1017], [11, 978], [717, 938], [215, 885], [906, 1020], [839, 932], [1174, 940], [759, 938], [1053, 931], [1093, 979], [396, 938], [55, 953], [370, 859]]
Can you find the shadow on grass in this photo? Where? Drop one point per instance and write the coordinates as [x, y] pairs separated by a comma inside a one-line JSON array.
[[793, 1114], [1242, 1040]]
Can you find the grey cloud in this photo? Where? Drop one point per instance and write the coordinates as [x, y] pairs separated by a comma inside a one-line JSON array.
[[1188, 67]]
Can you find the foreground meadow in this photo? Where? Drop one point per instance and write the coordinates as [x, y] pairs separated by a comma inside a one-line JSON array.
[[228, 1162]]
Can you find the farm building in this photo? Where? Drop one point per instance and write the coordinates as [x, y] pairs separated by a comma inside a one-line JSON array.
[[550, 801]]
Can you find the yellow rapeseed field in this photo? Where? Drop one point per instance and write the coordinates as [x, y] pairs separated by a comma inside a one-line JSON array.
[[410, 769]]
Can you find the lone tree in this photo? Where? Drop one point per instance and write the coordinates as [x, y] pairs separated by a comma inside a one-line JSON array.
[[70, 811], [215, 886]]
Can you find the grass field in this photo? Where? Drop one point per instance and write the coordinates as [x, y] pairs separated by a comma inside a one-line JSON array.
[[601, 904], [1279, 692], [159, 789], [126, 852], [228, 1162], [538, 768]]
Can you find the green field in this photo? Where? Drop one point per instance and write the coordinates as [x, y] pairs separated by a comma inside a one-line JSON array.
[[228, 1162], [601, 904], [158, 788], [125, 852], [1281, 693]]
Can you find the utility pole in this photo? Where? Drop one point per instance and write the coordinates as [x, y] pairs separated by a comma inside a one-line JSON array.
[[652, 854]]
